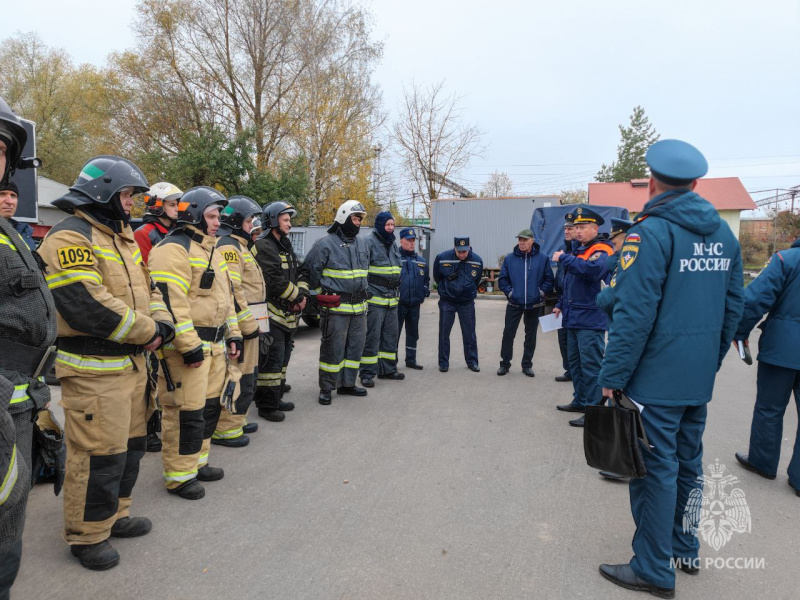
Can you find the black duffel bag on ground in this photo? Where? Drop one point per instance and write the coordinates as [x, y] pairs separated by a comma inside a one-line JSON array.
[[614, 437]]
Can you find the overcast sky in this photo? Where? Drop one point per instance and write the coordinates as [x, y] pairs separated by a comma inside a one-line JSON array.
[[549, 82]]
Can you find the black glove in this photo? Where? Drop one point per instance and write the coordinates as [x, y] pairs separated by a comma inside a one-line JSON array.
[[264, 343], [194, 356], [238, 345], [164, 329]]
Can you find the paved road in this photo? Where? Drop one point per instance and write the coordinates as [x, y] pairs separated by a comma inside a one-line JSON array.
[[444, 486]]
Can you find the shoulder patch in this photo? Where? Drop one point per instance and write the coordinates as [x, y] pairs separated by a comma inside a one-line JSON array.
[[633, 238], [597, 255], [627, 255], [75, 256]]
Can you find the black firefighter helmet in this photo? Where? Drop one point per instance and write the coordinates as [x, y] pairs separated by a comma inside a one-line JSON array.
[[100, 181], [239, 209]]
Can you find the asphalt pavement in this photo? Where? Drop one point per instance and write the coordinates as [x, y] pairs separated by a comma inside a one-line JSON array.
[[443, 486]]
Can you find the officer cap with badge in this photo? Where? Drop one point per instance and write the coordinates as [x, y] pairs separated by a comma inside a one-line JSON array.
[[585, 215], [619, 226], [675, 162], [408, 233], [461, 243]]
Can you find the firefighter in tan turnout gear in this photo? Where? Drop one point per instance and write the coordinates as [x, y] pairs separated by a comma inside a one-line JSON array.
[[248, 288], [286, 299], [194, 376], [108, 314]]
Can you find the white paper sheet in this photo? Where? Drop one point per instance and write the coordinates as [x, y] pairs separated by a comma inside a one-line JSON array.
[[550, 322]]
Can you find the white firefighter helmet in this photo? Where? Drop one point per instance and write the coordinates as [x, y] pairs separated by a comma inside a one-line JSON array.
[[350, 207]]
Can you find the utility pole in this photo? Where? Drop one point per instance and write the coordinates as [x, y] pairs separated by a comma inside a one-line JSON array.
[[376, 173], [775, 225]]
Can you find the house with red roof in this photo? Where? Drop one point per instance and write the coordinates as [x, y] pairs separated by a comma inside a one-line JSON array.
[[727, 194]]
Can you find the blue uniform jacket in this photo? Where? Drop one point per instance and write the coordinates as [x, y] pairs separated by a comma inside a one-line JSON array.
[[569, 247], [526, 278], [678, 296], [776, 291], [458, 279], [415, 279], [583, 272], [605, 299]]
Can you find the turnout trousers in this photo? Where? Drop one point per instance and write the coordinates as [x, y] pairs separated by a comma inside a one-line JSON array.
[[466, 318], [230, 424], [105, 432], [189, 413], [531, 319], [774, 390], [153, 409], [408, 315], [380, 347], [585, 347], [272, 369], [342, 346], [659, 499]]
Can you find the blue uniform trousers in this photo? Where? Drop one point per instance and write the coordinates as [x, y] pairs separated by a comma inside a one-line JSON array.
[[585, 353], [658, 500], [408, 315], [562, 346], [774, 389], [466, 318]]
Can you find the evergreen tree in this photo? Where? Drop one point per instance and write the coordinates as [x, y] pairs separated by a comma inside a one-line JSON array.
[[635, 140]]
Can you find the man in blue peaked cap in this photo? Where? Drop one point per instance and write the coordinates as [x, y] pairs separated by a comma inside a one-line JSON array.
[[664, 349]]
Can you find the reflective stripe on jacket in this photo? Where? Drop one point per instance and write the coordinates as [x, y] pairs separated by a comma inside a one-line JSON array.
[[102, 289]]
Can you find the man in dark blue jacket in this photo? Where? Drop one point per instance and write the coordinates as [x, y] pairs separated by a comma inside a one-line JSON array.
[[586, 324], [525, 278], [678, 297], [775, 291], [415, 283], [569, 247], [458, 272]]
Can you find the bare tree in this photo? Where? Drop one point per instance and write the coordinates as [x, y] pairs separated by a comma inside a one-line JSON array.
[[576, 196], [432, 141], [498, 185]]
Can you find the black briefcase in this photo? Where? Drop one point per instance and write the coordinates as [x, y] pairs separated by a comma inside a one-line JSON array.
[[614, 438]]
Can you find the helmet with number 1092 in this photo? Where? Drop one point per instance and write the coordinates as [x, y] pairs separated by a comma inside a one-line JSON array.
[[239, 209], [275, 210], [100, 181], [194, 203], [13, 134]]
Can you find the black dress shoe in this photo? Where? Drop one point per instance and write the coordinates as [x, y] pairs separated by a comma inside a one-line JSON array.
[[237, 442], [796, 491], [742, 458], [207, 473], [528, 371], [286, 388], [191, 490], [367, 382], [153, 442], [128, 527], [577, 422], [285, 406], [324, 397], [444, 369], [351, 391], [571, 407], [96, 557], [413, 365], [564, 377], [474, 368], [623, 576], [393, 376], [250, 427], [271, 414], [688, 566], [613, 476], [502, 370]]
